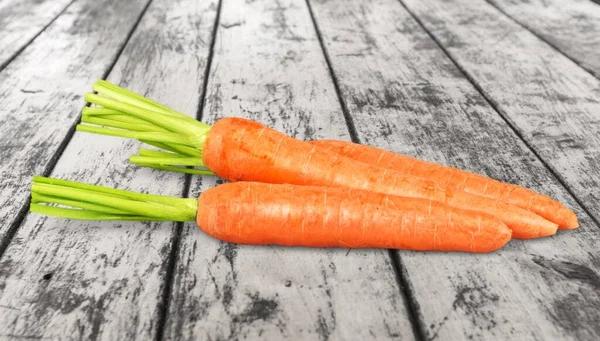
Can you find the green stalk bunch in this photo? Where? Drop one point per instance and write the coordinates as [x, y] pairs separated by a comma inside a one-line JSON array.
[[120, 112]]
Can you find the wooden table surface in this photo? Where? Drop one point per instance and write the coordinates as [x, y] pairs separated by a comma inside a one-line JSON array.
[[506, 88]]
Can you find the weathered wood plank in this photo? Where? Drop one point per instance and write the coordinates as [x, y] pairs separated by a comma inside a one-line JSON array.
[[268, 66], [551, 101], [63, 279], [572, 26], [405, 95], [41, 92], [22, 20]]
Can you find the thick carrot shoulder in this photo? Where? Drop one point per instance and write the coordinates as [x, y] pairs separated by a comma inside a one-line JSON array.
[[237, 149]]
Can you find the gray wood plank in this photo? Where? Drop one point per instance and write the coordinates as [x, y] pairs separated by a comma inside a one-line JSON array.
[[268, 66], [62, 279], [405, 95], [41, 92], [22, 20], [571, 26], [550, 100]]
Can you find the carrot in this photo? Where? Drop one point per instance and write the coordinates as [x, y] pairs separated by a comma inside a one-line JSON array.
[[290, 215], [238, 149], [272, 157], [448, 177]]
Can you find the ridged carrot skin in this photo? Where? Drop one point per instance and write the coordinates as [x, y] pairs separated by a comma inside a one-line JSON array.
[[290, 215], [258, 213], [449, 177], [238, 149]]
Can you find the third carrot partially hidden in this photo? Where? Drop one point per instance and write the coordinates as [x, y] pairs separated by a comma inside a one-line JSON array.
[[448, 177]]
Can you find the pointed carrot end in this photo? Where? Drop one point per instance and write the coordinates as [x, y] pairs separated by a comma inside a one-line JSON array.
[[502, 238], [570, 221], [549, 229]]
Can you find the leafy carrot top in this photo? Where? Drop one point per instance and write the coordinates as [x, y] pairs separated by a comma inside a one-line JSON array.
[[73, 200], [123, 113]]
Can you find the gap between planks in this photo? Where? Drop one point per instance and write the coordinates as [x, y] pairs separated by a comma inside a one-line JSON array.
[[173, 259], [12, 230], [494, 106], [347, 116], [412, 306], [540, 37], [22, 48], [401, 276]]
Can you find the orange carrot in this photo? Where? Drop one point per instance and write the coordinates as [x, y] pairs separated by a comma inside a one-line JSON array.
[[239, 149], [290, 215], [448, 177]]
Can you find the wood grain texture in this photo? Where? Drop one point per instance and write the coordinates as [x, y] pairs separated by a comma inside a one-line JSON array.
[[41, 91], [268, 66], [551, 101], [64, 279], [22, 20], [571, 26], [405, 95]]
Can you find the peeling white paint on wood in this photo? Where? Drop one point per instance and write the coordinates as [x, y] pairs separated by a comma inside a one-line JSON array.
[[93, 280], [41, 91], [404, 94], [268, 66], [550, 100], [572, 26], [21, 20], [104, 281]]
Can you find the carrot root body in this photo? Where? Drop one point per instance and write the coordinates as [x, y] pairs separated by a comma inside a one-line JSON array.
[[449, 177], [259, 213], [237, 149], [290, 215], [524, 224]]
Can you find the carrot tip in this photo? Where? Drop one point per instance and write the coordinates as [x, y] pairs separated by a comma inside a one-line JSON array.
[[503, 238], [571, 222], [548, 231]]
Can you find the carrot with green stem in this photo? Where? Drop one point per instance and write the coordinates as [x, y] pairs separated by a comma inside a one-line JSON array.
[[449, 177], [290, 215], [238, 149]]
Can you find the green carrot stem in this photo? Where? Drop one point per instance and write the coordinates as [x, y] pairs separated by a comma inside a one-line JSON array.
[[36, 197], [184, 151], [124, 95], [131, 206], [169, 161], [120, 112], [116, 119], [118, 124], [70, 213], [172, 123], [175, 168], [157, 153], [142, 135], [100, 189], [97, 111], [174, 161], [84, 201], [115, 115]]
